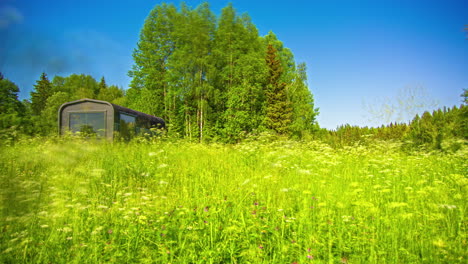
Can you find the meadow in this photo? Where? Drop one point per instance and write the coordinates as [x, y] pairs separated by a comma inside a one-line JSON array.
[[255, 202]]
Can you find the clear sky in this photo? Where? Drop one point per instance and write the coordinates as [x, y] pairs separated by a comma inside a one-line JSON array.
[[360, 54]]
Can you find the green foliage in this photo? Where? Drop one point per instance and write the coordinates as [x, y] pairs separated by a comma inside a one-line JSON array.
[[9, 103], [304, 114], [47, 97], [258, 202], [207, 76], [442, 130], [11, 111], [42, 91]]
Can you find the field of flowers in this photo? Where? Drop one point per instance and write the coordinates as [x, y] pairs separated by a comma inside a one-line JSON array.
[[277, 202]]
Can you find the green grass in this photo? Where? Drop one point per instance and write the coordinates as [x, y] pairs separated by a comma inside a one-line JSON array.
[[179, 202]]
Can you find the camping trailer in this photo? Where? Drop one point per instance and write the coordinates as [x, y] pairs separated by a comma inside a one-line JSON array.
[[104, 119]]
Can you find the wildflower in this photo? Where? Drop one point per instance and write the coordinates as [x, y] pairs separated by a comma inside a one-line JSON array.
[[439, 243], [110, 231], [69, 238], [310, 257], [206, 209], [260, 247], [97, 172], [448, 206], [346, 218], [397, 204]]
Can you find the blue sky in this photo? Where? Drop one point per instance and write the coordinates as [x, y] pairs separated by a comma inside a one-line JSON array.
[[361, 55]]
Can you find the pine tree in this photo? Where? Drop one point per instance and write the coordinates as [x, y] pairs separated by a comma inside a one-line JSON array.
[[102, 85], [278, 107], [42, 91]]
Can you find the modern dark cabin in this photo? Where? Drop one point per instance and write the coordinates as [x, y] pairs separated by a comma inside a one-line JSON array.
[[104, 119]]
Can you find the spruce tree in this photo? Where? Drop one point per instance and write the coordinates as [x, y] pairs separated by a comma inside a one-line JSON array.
[[42, 91], [102, 85], [278, 107]]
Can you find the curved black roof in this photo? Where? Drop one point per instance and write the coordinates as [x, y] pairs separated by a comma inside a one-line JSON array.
[[152, 119]]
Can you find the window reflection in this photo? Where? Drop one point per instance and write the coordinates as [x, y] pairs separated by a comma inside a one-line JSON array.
[[88, 123], [127, 126]]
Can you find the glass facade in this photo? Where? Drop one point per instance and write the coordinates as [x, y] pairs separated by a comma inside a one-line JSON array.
[[90, 123], [127, 126]]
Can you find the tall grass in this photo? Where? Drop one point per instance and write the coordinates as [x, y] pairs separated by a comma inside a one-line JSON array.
[[179, 202]]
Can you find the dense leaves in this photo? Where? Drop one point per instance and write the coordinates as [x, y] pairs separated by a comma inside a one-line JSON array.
[[210, 79]]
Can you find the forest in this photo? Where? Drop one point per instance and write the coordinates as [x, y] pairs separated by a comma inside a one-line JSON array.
[[215, 79], [243, 172]]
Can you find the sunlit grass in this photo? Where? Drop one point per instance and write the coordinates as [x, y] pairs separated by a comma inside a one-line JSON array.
[[280, 202]]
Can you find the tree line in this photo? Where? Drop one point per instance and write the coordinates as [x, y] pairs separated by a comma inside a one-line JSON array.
[[442, 129], [214, 79]]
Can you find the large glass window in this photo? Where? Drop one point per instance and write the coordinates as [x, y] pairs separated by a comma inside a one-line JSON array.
[[93, 123], [126, 126], [127, 118]]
